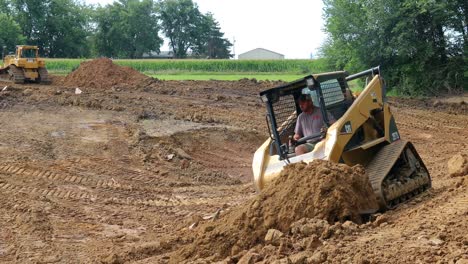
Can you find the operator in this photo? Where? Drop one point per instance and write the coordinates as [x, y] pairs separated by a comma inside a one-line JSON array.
[[309, 122]]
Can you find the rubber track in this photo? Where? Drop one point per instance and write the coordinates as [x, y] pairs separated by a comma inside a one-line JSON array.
[[381, 165]]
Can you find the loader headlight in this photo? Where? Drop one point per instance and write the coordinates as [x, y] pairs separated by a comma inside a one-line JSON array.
[[264, 98], [310, 82]]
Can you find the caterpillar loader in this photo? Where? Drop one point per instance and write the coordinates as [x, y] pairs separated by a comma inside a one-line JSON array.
[[364, 133], [24, 65]]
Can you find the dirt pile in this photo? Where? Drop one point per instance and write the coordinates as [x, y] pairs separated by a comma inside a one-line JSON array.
[[321, 190], [102, 73]]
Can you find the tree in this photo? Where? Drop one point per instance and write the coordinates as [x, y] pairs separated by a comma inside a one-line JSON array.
[[30, 15], [59, 27], [10, 33], [181, 23], [188, 29], [5, 7], [127, 28], [211, 42], [66, 32], [418, 43]]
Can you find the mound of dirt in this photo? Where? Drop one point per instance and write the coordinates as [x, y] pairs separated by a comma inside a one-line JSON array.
[[102, 73], [320, 190]]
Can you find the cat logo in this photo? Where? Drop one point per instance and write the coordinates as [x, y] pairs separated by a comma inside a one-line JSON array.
[[347, 128], [395, 136]]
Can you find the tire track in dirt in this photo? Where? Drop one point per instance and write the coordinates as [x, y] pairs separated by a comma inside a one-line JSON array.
[[170, 200], [56, 192], [53, 176], [87, 167], [457, 203]]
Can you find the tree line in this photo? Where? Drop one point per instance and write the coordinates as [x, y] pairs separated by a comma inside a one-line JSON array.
[[421, 45], [123, 29]]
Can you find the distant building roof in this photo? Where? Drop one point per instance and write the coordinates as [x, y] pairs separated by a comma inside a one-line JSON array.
[[263, 50], [260, 54]]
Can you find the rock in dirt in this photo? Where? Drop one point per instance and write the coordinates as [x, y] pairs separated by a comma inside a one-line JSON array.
[[299, 258], [104, 74], [436, 241], [308, 227], [317, 257], [273, 236], [27, 92], [458, 165], [250, 258], [181, 153], [320, 190], [348, 225], [112, 259], [311, 243], [380, 220]]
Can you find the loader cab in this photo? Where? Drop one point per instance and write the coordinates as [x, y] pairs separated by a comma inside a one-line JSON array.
[[27, 52], [329, 92]]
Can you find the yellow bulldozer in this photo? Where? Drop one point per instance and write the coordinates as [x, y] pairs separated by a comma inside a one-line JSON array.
[[24, 65], [364, 132]]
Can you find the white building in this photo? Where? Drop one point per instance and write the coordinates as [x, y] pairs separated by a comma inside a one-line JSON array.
[[260, 54]]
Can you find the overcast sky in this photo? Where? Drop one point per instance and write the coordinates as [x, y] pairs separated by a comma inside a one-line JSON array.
[[290, 27]]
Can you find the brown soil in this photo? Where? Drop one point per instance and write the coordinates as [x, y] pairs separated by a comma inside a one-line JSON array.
[[321, 190], [458, 165], [119, 173], [104, 74], [453, 105]]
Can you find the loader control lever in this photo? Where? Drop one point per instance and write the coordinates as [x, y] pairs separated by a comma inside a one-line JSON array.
[[314, 137]]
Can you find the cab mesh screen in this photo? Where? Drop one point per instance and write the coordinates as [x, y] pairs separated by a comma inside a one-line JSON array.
[[284, 109], [285, 114], [332, 92]]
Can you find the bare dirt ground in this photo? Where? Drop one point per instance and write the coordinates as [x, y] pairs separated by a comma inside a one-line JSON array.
[[117, 174]]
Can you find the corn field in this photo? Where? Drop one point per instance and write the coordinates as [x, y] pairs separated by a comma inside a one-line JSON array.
[[150, 66]]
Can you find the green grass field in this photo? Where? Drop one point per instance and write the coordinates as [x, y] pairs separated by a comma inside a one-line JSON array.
[[227, 76], [285, 70]]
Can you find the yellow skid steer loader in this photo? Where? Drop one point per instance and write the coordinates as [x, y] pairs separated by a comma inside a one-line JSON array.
[[364, 133]]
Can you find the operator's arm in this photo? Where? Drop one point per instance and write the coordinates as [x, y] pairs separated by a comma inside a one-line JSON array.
[[298, 129], [297, 137]]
